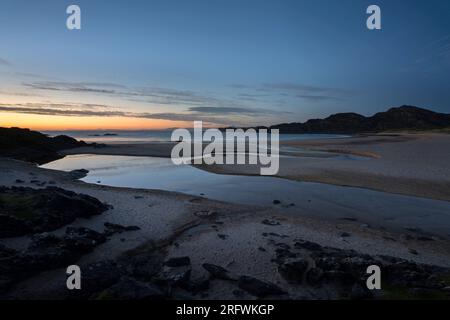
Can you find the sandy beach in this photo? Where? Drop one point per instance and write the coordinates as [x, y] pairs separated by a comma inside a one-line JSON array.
[[245, 239], [409, 164]]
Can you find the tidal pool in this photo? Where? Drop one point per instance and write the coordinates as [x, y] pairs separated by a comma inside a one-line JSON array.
[[380, 209]]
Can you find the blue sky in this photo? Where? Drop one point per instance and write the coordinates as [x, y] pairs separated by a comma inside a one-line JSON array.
[[224, 62]]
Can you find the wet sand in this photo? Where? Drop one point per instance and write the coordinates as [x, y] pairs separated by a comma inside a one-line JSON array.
[[409, 164], [187, 225]]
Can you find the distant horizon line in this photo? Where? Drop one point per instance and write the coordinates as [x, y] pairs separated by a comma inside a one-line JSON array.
[[111, 130]]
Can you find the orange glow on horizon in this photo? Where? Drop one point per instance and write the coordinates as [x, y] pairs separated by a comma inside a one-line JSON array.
[[45, 122]]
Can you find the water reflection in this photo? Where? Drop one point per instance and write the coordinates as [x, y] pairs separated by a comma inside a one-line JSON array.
[[311, 199]]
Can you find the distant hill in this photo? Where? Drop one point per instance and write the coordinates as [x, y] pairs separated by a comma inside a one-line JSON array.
[[32, 146], [401, 118]]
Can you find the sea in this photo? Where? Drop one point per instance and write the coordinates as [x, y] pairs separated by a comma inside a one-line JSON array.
[[143, 136]]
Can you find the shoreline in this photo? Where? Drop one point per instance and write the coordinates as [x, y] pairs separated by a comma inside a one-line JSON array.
[[233, 234], [391, 162], [243, 239]]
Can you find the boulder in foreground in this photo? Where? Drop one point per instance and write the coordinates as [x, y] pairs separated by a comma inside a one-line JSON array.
[[27, 211]]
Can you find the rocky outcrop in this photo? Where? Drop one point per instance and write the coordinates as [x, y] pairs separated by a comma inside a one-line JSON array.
[[312, 265], [46, 252], [259, 288], [327, 273], [112, 228], [27, 211], [32, 146]]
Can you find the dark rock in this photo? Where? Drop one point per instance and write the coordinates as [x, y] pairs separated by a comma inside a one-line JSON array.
[[82, 239], [238, 293], [97, 277], [6, 252], [47, 252], [293, 269], [270, 222], [222, 236], [262, 249], [425, 238], [53, 251], [407, 237], [19, 181], [349, 219], [11, 226], [360, 292], [175, 275], [217, 271], [131, 289], [357, 264], [112, 228], [344, 235], [78, 174], [327, 262], [204, 213], [276, 202], [412, 229], [259, 288], [414, 252], [178, 262], [303, 244], [44, 241], [282, 254], [10, 260], [27, 210], [314, 276], [144, 265], [5, 284], [423, 293], [273, 234], [195, 286], [76, 241], [283, 246], [407, 274], [340, 277], [32, 146]]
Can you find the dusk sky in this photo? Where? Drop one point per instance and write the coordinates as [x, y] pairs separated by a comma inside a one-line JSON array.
[[159, 64]]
